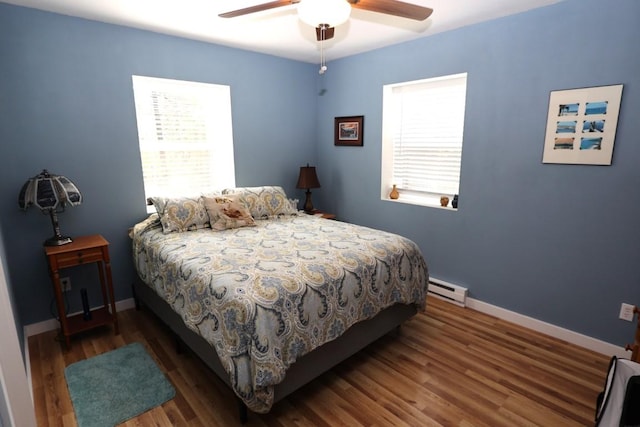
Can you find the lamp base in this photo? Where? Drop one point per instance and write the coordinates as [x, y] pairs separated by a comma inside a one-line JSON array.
[[308, 204], [57, 241]]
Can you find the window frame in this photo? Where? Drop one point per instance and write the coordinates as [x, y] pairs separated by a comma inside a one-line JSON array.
[[389, 111], [211, 111]]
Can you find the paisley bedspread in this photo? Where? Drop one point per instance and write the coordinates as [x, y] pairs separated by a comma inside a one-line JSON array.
[[264, 296]]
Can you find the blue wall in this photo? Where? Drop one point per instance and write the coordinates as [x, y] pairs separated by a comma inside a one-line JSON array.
[[559, 243], [555, 242], [66, 104]]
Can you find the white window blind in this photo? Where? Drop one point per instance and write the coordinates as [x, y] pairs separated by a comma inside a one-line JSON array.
[[424, 123], [185, 136]]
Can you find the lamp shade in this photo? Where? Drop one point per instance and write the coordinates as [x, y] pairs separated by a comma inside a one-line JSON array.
[[49, 192], [308, 177], [329, 12]]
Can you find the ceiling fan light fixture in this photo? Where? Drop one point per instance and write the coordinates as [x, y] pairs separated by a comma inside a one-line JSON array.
[[329, 12]]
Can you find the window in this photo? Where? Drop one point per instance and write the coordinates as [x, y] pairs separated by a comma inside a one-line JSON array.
[[422, 130], [185, 136]]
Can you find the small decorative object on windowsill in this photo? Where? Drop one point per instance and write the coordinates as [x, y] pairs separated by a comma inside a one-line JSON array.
[[306, 180], [454, 202], [444, 201], [51, 193], [394, 193]]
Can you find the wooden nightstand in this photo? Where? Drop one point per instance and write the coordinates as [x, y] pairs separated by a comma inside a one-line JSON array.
[[324, 215], [83, 250]]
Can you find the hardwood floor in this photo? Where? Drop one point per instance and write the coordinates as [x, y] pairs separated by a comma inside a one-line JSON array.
[[449, 366]]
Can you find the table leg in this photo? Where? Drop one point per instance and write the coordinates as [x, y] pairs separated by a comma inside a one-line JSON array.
[[62, 315]]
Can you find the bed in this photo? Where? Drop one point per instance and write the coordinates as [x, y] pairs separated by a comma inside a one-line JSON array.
[[269, 297]]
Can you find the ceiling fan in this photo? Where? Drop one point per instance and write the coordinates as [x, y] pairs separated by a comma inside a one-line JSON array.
[[325, 15]]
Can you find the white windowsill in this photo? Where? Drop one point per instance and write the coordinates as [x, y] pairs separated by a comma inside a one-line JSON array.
[[430, 202]]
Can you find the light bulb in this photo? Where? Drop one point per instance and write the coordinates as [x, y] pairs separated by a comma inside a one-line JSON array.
[[330, 12]]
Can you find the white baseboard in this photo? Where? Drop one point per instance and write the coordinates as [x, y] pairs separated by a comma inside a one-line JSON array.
[[51, 324], [567, 335], [584, 341]]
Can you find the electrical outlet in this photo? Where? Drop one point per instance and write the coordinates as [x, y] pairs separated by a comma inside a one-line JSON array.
[[65, 284], [626, 312]]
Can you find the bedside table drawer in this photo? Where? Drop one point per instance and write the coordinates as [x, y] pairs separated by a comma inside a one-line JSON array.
[[83, 256]]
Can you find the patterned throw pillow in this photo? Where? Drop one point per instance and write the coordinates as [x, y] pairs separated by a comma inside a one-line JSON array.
[[227, 212], [181, 213], [264, 202]]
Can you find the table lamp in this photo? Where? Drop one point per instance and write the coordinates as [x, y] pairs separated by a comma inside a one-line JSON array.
[[308, 179], [51, 193]]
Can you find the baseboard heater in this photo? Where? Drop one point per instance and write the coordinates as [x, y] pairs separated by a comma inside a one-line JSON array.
[[448, 292]]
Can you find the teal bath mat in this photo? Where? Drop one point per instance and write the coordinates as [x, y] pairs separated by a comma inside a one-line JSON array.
[[113, 387]]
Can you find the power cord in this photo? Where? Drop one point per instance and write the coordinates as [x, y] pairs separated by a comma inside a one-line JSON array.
[[52, 309]]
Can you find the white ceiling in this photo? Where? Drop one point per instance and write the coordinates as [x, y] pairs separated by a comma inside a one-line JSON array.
[[279, 31]]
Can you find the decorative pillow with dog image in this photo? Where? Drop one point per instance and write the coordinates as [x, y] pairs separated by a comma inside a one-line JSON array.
[[227, 212]]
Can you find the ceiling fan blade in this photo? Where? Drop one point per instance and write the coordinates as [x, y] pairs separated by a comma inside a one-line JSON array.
[[258, 8], [328, 33], [393, 7]]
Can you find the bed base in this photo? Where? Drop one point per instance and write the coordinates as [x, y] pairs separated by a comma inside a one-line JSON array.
[[304, 369]]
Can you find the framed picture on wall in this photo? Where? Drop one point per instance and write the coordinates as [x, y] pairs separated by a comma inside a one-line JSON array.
[[581, 125], [349, 130]]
